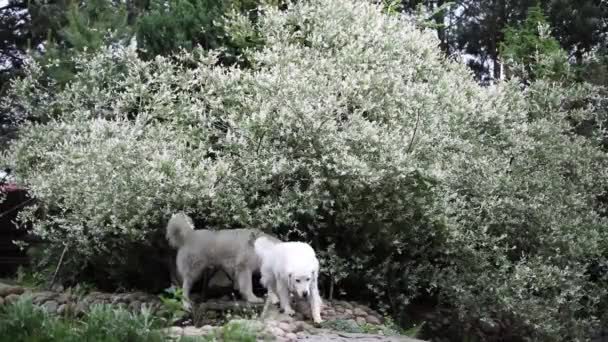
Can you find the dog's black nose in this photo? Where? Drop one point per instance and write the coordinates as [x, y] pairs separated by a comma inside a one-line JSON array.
[[305, 294]]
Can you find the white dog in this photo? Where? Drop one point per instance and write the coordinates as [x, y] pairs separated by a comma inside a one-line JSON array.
[[290, 268], [231, 250]]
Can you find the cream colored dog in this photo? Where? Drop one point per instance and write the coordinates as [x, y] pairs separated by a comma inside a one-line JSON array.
[[290, 268]]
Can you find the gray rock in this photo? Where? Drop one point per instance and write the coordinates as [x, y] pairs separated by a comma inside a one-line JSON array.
[[57, 288], [175, 332], [192, 331], [361, 320], [298, 326], [96, 294], [118, 299], [291, 337], [329, 312], [359, 312], [276, 331], [63, 298], [11, 298], [6, 290], [346, 305], [373, 319], [286, 327], [329, 336], [51, 306], [135, 305], [139, 296], [41, 297]]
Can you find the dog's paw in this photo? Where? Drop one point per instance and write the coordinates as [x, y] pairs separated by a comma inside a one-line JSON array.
[[273, 299], [255, 300], [187, 306], [289, 311]]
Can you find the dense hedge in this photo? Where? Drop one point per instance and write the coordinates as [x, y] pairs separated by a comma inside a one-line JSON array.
[[352, 130]]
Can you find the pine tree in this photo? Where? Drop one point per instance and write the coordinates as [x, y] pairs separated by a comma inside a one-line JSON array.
[[184, 24], [530, 52], [88, 26]]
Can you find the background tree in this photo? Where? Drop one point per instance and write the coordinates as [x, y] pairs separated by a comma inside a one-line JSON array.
[[530, 52], [88, 27], [167, 27], [477, 28], [580, 26]]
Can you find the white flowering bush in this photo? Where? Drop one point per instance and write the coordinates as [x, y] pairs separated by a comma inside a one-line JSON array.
[[351, 129]]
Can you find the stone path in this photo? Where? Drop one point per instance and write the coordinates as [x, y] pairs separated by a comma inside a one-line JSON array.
[[265, 319], [338, 337]]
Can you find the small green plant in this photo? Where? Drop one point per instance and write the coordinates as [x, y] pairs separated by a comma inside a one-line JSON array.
[[29, 278], [172, 303], [388, 328], [414, 331], [239, 331]]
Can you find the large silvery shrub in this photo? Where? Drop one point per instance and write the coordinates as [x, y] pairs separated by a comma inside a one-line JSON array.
[[351, 130]]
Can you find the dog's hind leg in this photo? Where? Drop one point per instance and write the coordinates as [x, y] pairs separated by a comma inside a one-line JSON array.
[[246, 287], [186, 287]]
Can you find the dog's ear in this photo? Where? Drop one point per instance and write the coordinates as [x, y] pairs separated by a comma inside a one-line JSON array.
[[314, 281]]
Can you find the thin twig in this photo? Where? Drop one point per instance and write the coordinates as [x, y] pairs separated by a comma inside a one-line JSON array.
[[409, 147], [15, 207], [65, 249], [257, 149]]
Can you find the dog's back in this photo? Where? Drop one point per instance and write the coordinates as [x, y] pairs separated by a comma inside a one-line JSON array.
[[220, 247]]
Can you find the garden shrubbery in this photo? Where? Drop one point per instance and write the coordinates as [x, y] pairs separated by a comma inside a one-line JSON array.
[[352, 131]]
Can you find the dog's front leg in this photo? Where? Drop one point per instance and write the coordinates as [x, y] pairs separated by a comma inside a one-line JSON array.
[[283, 293], [315, 301], [245, 287], [274, 299]]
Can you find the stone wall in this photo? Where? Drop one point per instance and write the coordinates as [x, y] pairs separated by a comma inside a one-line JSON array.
[[209, 315]]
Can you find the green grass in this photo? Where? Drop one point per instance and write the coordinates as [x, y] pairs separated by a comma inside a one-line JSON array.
[[22, 321], [238, 331]]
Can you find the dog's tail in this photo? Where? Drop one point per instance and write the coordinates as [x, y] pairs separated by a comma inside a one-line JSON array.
[[262, 245], [179, 227]]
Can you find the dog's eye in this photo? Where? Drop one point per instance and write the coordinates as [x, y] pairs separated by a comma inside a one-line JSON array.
[[307, 279], [297, 280]]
